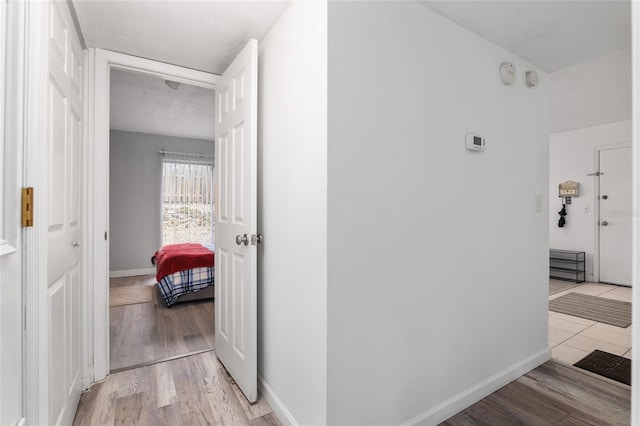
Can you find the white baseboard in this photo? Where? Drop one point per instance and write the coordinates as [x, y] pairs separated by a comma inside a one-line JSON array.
[[457, 403], [132, 272], [279, 409]]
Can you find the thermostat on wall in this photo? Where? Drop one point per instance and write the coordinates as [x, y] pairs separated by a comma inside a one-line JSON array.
[[474, 142]]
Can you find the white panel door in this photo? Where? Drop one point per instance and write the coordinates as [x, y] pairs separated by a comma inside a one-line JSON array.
[[11, 277], [236, 222], [63, 144], [615, 216]]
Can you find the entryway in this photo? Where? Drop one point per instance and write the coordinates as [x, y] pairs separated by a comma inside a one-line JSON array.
[[571, 338], [598, 223]]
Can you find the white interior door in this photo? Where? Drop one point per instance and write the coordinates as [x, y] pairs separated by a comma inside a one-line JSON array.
[[63, 144], [11, 277], [615, 216], [236, 221]]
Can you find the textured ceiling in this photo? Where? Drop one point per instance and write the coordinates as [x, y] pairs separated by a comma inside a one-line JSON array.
[[550, 34], [145, 104], [205, 35]]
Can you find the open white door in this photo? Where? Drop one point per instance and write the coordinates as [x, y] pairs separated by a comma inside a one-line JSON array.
[[61, 181], [236, 197], [11, 242]]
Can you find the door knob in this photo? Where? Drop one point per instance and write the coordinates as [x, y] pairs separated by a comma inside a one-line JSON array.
[[242, 240], [605, 223], [604, 197], [76, 244]]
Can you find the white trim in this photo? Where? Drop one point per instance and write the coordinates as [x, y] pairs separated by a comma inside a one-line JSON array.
[[614, 146], [464, 399], [97, 183], [4, 34], [635, 236], [279, 409], [35, 239], [22, 422], [132, 273], [87, 220], [596, 203]]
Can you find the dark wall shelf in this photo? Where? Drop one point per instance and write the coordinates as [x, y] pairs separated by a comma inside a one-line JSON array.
[[567, 265]]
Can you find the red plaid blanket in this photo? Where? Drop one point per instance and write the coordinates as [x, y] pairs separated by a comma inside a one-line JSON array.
[[178, 257]]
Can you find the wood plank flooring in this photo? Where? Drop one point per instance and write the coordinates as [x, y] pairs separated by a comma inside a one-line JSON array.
[[194, 390], [551, 394], [197, 389], [147, 332]]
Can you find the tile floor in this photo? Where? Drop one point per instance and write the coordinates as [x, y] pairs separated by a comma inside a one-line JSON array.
[[572, 338]]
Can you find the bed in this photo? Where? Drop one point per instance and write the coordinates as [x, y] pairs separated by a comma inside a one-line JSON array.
[[185, 272]]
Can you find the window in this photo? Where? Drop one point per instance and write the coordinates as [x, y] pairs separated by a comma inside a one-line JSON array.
[[187, 198]]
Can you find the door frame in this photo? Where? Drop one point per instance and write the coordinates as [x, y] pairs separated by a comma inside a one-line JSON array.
[[32, 128], [596, 204], [96, 191]]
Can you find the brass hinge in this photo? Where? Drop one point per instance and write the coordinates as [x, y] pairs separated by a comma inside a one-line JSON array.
[[27, 207]]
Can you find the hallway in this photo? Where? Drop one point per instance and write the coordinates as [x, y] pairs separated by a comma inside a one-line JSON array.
[[188, 391]]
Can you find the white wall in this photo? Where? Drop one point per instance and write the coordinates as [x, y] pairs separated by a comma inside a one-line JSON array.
[[593, 93], [135, 172], [635, 239], [292, 206], [437, 259], [572, 156]]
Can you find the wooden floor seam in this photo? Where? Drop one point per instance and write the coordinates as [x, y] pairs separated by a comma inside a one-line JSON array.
[[158, 361]]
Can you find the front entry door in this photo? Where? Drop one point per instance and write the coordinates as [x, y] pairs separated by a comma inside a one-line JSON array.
[[615, 216], [236, 220], [62, 180]]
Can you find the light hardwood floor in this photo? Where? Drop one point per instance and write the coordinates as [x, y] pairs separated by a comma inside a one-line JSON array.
[[194, 390], [197, 390], [551, 394], [147, 332]]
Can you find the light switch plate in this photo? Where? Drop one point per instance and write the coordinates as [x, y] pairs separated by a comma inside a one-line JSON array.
[[538, 202]]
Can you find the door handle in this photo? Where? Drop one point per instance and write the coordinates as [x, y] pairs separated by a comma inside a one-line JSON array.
[[605, 223], [242, 240], [604, 197], [76, 244]]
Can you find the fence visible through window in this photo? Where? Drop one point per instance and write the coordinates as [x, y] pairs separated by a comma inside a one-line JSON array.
[[187, 198]]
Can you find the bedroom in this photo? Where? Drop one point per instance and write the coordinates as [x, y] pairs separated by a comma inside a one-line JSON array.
[[161, 192]]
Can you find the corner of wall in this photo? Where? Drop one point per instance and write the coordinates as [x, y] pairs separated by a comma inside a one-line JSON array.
[[292, 201]]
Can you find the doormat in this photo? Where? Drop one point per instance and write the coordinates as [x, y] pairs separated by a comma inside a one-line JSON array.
[[130, 295], [600, 309], [612, 366], [557, 287]]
